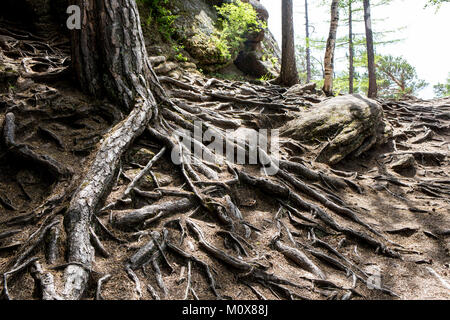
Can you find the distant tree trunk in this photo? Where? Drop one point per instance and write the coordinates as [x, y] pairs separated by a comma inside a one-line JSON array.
[[288, 74], [308, 48], [372, 93], [351, 70], [329, 53]]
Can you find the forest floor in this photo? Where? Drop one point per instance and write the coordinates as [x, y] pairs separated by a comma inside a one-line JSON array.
[[53, 118]]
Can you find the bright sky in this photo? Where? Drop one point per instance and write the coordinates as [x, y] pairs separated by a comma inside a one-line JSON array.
[[426, 43]]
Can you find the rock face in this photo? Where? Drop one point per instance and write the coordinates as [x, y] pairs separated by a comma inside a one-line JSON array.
[[352, 124], [195, 25], [261, 54]]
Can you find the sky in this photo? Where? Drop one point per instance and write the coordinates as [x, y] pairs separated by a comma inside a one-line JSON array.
[[425, 34]]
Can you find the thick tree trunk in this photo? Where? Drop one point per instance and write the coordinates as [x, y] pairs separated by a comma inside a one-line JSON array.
[[288, 74], [308, 48], [370, 51], [108, 60], [351, 71], [329, 53], [109, 56]]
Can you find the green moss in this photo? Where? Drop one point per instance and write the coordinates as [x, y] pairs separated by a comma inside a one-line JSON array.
[[236, 19], [159, 12]]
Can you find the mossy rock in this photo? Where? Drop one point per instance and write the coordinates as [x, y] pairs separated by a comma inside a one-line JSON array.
[[352, 124], [194, 27], [147, 182], [142, 156]]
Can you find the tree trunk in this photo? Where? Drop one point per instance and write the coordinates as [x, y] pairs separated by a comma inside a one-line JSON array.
[[372, 93], [351, 70], [109, 57], [329, 53], [308, 48], [288, 74]]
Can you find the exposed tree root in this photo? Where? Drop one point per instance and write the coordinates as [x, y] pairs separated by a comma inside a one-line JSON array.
[[310, 200]]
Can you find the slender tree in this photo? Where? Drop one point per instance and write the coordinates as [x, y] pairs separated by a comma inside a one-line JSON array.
[[308, 48], [351, 51], [288, 74], [329, 53], [372, 92]]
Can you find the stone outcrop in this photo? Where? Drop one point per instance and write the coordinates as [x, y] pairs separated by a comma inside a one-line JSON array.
[[196, 24], [261, 54]]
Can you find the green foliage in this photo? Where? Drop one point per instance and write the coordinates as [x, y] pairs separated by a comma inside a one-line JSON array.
[[399, 77], [159, 12], [442, 89], [395, 77], [265, 77], [236, 19], [178, 54], [437, 3]]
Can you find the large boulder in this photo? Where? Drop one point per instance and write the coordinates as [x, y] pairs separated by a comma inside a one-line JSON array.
[[351, 124]]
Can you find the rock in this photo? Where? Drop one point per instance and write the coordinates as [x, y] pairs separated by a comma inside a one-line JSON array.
[[142, 156], [195, 27], [165, 68], [352, 124], [263, 14], [269, 46], [250, 63], [157, 60], [260, 56], [163, 181], [405, 162], [299, 89]]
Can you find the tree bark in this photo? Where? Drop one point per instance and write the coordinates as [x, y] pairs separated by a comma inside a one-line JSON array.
[[372, 93], [288, 74], [308, 48], [109, 57], [351, 71], [329, 53]]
